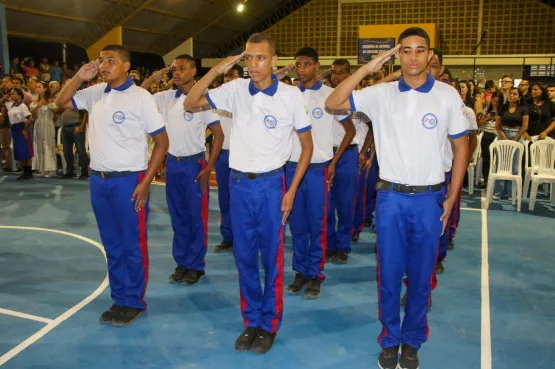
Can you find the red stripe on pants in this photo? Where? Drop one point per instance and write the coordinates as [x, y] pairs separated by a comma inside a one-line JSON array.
[[324, 234], [204, 206], [142, 242], [279, 278]]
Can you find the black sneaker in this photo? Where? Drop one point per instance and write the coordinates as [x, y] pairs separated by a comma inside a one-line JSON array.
[[223, 247], [451, 245], [263, 342], [389, 357], [342, 258], [109, 314], [355, 237], [439, 268], [409, 358], [7, 170], [331, 256], [192, 277], [246, 339], [298, 284], [68, 175], [126, 315], [368, 222], [313, 288], [84, 176], [178, 275]]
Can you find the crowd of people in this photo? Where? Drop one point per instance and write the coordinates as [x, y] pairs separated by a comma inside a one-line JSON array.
[[340, 151]]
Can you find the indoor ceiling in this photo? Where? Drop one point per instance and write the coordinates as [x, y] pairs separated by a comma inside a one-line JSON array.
[[153, 26]]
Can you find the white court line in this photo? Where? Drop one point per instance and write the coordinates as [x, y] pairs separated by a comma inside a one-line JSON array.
[[485, 318], [471, 209], [25, 316], [67, 314]]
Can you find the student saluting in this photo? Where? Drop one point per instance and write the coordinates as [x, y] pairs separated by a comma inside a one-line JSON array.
[[265, 113], [412, 122], [120, 116]]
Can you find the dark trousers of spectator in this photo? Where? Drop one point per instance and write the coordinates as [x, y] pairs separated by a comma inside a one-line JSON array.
[[487, 139], [70, 138]]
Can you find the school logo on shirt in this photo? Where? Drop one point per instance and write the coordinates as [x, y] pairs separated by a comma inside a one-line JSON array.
[[270, 121], [118, 117], [188, 116], [317, 113], [429, 121]]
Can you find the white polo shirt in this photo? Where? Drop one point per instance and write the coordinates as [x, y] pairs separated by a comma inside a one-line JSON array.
[[225, 121], [119, 120], [322, 122], [362, 127], [17, 113], [186, 129], [411, 128], [263, 122], [472, 126]]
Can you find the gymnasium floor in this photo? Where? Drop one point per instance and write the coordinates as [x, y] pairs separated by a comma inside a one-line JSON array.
[[53, 288]]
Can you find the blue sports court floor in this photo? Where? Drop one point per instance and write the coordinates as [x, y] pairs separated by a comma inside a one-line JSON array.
[[493, 307]]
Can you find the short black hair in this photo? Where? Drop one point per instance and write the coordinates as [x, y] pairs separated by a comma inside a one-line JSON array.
[[258, 38], [19, 92], [121, 50], [415, 31], [287, 78], [238, 68], [439, 55], [341, 63], [448, 72], [507, 76], [187, 57], [551, 85], [308, 52], [18, 79]]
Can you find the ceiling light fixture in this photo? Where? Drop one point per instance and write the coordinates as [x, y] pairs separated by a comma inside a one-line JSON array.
[[240, 8]]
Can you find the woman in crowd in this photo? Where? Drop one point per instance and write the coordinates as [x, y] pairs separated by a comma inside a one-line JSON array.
[[487, 122], [542, 114], [44, 141], [511, 124], [20, 121]]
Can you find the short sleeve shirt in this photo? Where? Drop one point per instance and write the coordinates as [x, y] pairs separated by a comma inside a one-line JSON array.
[[186, 129], [119, 120], [263, 122], [321, 120], [411, 128]]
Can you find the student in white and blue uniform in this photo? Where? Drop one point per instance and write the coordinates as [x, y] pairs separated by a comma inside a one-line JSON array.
[[222, 170], [362, 131], [20, 122], [343, 191], [308, 217], [120, 116], [412, 120], [265, 114], [187, 172]]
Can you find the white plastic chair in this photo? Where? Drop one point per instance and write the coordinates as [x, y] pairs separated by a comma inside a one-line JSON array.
[[528, 168], [502, 154], [543, 159], [60, 150], [473, 164]]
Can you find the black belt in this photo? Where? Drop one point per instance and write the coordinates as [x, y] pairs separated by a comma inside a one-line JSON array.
[[107, 175], [224, 151], [397, 187], [350, 147], [271, 173], [293, 164], [195, 157]]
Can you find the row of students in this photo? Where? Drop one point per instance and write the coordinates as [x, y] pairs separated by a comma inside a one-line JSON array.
[[280, 158]]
